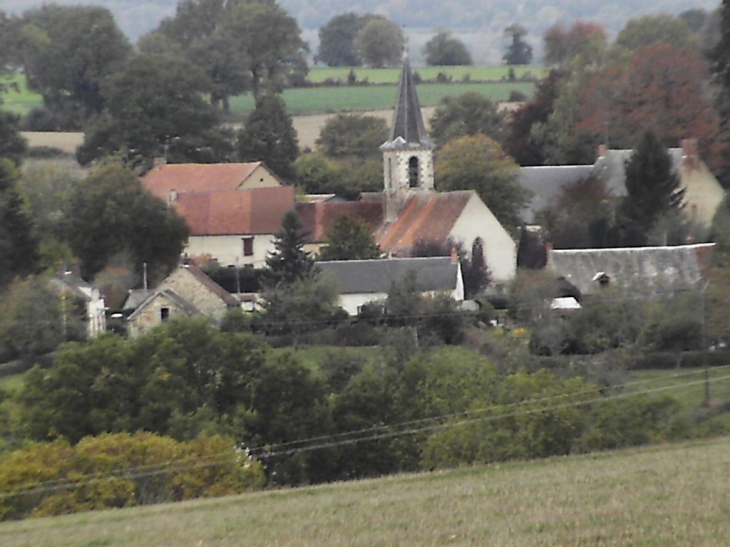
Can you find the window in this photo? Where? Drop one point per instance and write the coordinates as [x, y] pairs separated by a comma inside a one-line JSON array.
[[164, 314], [247, 246], [413, 172]]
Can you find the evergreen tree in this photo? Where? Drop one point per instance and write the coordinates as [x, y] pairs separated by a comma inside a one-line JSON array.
[[518, 52], [269, 136], [652, 185], [474, 270], [290, 262], [18, 243], [349, 239]]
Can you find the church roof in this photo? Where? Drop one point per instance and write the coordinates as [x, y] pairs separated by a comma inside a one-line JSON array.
[[427, 217], [407, 128]]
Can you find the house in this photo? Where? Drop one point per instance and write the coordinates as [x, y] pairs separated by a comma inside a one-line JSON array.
[[186, 292], [68, 284], [165, 180], [644, 270], [236, 227], [363, 281], [703, 193], [233, 210]]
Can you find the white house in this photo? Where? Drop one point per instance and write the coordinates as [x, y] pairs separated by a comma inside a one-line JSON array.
[[362, 281]]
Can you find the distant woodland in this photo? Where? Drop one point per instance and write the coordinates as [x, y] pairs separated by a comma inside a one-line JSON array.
[[479, 23]]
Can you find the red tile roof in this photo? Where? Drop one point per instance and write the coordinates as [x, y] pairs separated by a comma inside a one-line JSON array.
[[236, 212], [197, 177], [318, 217], [425, 217]]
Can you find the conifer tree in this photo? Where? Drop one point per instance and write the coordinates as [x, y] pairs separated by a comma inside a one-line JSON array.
[[290, 262]]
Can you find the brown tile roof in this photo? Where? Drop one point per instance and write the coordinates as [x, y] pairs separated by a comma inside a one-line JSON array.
[[212, 286], [197, 177], [318, 217], [236, 212], [425, 217]]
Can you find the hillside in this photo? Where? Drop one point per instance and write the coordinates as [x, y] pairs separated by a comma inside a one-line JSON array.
[[479, 23], [667, 496]]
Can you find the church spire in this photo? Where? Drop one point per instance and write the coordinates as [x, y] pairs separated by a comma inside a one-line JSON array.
[[407, 126]]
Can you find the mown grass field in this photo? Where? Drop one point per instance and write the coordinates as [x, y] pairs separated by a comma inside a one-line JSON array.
[[661, 496]]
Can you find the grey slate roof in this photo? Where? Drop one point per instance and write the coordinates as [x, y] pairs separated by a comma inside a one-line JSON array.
[[407, 128], [611, 168], [646, 269], [378, 275], [546, 184]]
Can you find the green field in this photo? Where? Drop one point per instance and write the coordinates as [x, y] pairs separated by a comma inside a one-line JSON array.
[[662, 496], [318, 100], [457, 73], [18, 99]]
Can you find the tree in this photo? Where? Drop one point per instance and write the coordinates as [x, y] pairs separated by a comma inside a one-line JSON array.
[[349, 239], [518, 52], [479, 163], [155, 107], [337, 40], [720, 56], [445, 50], [346, 135], [317, 174], [520, 143], [18, 242], [269, 38], [12, 144], [110, 212], [380, 42], [468, 114], [652, 185], [197, 31], [655, 29], [67, 52], [269, 136], [474, 269], [585, 40], [290, 262]]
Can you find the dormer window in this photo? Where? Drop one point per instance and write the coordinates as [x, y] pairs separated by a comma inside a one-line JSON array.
[[602, 279]]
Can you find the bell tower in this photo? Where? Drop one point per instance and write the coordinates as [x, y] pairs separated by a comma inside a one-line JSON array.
[[408, 152]]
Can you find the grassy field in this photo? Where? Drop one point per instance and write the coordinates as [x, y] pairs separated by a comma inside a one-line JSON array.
[[315, 100], [662, 496], [457, 73]]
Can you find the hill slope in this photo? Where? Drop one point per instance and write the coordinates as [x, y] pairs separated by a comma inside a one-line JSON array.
[[668, 496]]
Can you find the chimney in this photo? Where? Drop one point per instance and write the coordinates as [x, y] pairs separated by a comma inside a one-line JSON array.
[[548, 253], [454, 256], [601, 150], [689, 153], [172, 198], [158, 162]]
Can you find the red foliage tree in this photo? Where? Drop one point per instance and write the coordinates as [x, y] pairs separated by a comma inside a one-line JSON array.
[[562, 46]]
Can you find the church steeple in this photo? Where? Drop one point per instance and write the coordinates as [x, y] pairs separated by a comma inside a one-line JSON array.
[[407, 118], [408, 153]]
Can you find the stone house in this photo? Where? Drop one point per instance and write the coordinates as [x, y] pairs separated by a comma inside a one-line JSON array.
[[186, 292]]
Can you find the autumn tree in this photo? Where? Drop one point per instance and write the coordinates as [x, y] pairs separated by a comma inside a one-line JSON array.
[[268, 135], [67, 52], [585, 40], [519, 52], [445, 50], [380, 43], [349, 239], [660, 87], [479, 163], [468, 114]]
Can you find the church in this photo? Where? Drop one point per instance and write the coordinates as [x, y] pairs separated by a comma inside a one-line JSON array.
[[234, 221]]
